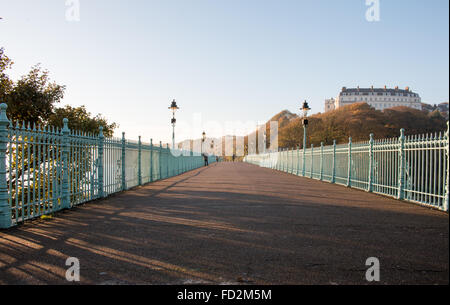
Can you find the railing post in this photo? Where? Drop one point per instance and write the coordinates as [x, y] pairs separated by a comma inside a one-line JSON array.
[[160, 160], [5, 209], [151, 160], [124, 181], [312, 161], [349, 174], [65, 160], [298, 161], [321, 161], [139, 161], [333, 175], [401, 173], [370, 183], [101, 137], [447, 187], [304, 157]]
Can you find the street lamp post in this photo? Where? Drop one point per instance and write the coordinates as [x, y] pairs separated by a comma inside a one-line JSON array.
[[174, 108], [305, 109]]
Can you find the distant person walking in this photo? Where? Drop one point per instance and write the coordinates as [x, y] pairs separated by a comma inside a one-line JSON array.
[[234, 157], [205, 157]]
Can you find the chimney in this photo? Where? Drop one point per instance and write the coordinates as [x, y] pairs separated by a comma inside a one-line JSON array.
[[372, 87], [407, 88], [344, 88], [385, 87], [396, 87]]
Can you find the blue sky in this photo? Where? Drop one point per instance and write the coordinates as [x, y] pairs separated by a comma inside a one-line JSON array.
[[234, 60]]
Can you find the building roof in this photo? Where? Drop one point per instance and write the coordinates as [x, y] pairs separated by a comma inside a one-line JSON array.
[[377, 90]]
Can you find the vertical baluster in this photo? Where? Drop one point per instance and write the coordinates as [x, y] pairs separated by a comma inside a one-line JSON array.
[[447, 187], [151, 160], [160, 160], [100, 139], [333, 175], [427, 169], [124, 182], [440, 188], [321, 161], [416, 169], [52, 168], [39, 176], [79, 172], [82, 167], [139, 161], [370, 183], [35, 144], [28, 154], [22, 176], [421, 166], [349, 168], [433, 183], [168, 161], [401, 169], [44, 170], [66, 148], [5, 208]]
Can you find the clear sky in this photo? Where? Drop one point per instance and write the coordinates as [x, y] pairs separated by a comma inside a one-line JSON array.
[[233, 60]]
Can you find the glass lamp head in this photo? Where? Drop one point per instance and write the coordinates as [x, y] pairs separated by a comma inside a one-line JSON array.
[[305, 109], [174, 107]]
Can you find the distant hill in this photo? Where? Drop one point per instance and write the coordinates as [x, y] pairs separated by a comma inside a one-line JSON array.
[[283, 118], [442, 108]]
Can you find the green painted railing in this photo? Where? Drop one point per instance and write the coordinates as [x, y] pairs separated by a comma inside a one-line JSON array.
[[412, 168], [44, 170]]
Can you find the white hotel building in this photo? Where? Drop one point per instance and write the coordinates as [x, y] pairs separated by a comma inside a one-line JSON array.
[[379, 98]]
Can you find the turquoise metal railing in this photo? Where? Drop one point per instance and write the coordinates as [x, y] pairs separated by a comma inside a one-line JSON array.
[[412, 168], [47, 169]]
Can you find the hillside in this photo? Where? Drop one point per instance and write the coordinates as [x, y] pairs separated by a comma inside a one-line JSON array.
[[283, 118], [357, 121]]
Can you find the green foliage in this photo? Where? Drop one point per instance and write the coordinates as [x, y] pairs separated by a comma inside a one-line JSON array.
[[81, 119], [5, 82], [32, 99]]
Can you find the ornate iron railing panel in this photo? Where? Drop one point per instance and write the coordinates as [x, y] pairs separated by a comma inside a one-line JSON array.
[[412, 168], [46, 169]]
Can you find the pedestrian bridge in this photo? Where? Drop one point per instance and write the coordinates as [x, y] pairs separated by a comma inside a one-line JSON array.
[[232, 223], [137, 212]]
